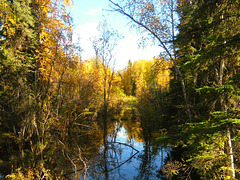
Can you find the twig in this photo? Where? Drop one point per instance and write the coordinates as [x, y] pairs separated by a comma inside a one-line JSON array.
[[125, 145], [123, 162]]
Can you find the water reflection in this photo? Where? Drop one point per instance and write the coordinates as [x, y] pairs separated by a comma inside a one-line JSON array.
[[125, 155]]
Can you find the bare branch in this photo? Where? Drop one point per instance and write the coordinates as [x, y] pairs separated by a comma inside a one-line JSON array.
[[121, 11], [149, 29]]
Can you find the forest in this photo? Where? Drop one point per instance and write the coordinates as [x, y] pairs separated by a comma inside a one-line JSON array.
[[56, 109]]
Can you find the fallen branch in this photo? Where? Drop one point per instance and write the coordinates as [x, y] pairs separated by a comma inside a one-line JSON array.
[[125, 145], [123, 162]]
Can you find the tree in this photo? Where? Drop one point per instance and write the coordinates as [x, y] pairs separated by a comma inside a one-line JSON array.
[[17, 71], [158, 19], [28, 48], [128, 79], [104, 46], [209, 57]]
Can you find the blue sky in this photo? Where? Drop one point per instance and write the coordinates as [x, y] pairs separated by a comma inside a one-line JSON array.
[[86, 16]]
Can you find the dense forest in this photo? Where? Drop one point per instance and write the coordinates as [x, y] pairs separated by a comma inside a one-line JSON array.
[[56, 109]]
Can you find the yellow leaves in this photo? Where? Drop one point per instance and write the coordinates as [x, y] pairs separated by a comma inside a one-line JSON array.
[[42, 146], [43, 35], [148, 74], [9, 19], [163, 72], [150, 6], [20, 175], [116, 79], [182, 3], [8, 27], [52, 29], [68, 3]]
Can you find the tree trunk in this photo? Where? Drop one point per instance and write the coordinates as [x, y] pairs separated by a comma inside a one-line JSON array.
[[163, 45], [224, 109], [231, 154]]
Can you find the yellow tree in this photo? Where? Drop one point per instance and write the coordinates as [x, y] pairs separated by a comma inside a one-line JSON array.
[[128, 79], [158, 19], [162, 67], [152, 81], [32, 36], [104, 47], [53, 27]]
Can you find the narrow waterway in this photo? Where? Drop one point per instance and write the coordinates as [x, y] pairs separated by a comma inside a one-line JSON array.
[[126, 156]]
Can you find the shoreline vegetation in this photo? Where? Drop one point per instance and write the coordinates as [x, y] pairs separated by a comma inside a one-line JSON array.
[[56, 110]]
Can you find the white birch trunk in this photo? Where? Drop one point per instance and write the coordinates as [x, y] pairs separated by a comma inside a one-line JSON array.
[[231, 154]]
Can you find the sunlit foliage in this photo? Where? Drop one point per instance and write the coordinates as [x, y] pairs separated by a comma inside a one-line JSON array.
[[57, 110]]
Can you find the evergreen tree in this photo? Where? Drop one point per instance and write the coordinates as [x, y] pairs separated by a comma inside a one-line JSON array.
[[208, 43]]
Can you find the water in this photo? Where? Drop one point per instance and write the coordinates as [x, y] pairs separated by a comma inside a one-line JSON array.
[[124, 158]]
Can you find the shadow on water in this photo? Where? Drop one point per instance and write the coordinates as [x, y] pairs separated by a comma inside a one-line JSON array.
[[127, 154]]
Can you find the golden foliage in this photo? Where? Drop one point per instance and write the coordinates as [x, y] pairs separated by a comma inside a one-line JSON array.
[[54, 24]]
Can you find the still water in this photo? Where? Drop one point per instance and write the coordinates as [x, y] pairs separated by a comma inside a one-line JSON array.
[[126, 157]]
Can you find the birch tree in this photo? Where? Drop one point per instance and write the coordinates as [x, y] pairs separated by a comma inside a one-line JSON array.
[[209, 55], [159, 19]]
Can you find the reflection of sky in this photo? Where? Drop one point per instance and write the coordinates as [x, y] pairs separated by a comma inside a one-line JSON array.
[[131, 169], [122, 133], [123, 137]]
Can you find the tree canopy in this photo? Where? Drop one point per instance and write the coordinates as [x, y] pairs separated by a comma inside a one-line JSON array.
[[57, 110]]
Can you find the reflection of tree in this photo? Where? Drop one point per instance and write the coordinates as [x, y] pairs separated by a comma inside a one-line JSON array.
[[105, 158], [145, 166], [149, 164], [111, 157], [144, 130], [133, 130], [77, 151]]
